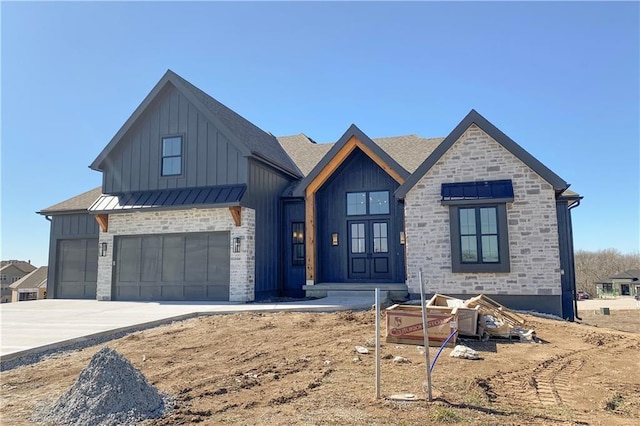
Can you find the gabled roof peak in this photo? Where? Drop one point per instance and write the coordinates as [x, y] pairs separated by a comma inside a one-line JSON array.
[[249, 138], [473, 117]]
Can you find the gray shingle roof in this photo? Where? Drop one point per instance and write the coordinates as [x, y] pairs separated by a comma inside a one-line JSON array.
[[21, 265], [78, 203], [409, 150], [631, 274], [258, 141], [35, 279]]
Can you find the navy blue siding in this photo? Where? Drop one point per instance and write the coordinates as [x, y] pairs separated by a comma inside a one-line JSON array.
[[293, 276], [357, 173], [567, 264], [263, 195], [209, 158], [67, 227]]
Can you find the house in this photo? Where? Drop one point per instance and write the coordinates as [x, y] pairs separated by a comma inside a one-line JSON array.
[[31, 287], [10, 272], [197, 203], [626, 283]]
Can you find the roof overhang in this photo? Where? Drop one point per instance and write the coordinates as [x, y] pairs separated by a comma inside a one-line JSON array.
[[170, 199]]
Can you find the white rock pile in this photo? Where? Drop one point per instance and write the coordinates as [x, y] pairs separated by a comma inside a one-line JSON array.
[[109, 391]]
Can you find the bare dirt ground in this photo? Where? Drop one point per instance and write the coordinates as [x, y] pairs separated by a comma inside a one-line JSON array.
[[299, 368]]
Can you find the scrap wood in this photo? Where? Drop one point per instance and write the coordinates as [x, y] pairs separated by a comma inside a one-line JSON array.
[[489, 306]]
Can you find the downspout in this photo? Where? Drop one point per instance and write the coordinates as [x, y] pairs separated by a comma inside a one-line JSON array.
[[48, 218], [575, 291]]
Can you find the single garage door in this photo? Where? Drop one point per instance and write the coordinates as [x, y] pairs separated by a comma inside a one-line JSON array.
[[193, 266], [76, 269]]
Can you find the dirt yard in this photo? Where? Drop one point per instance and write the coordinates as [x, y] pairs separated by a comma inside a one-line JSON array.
[[295, 368]]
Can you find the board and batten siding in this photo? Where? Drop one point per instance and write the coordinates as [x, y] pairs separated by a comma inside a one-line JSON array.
[[263, 195], [208, 157], [358, 173], [67, 227]]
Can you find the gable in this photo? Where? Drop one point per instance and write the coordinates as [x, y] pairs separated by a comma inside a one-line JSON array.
[[352, 139], [214, 132], [209, 157], [474, 118]]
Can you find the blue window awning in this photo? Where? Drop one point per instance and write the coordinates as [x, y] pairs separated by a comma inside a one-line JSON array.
[[166, 199], [494, 191]]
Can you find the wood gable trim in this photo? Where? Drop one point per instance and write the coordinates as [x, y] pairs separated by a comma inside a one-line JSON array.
[[319, 179], [103, 221]]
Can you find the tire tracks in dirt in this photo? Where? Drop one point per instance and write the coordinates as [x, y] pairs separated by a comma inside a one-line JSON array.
[[548, 384]]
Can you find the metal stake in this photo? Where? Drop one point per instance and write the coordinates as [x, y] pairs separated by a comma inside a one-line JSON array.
[[425, 328], [377, 343]]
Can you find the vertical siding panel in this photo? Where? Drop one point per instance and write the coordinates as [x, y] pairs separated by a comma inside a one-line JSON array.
[[143, 171], [174, 111], [221, 164], [212, 152], [191, 132], [154, 148], [201, 132], [164, 130], [125, 184], [135, 161]]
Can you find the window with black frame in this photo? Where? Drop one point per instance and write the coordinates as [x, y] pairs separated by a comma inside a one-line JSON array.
[[478, 225], [172, 156]]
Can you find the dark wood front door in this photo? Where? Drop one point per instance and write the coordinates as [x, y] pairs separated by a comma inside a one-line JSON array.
[[368, 250]]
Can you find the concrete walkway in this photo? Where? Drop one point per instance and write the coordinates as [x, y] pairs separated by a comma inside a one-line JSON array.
[[43, 325]]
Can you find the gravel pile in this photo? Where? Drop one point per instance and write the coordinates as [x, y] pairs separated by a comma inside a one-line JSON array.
[[109, 391]]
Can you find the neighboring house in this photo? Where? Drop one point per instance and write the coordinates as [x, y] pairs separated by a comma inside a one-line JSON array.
[[31, 287], [197, 203], [10, 272], [626, 283]]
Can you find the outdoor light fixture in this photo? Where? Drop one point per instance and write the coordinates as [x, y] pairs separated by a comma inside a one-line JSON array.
[[334, 239], [103, 249], [236, 244], [402, 238]]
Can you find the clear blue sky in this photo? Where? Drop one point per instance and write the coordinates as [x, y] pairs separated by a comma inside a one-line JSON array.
[[562, 79]]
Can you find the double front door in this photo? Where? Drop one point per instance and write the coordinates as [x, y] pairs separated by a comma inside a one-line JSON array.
[[369, 249]]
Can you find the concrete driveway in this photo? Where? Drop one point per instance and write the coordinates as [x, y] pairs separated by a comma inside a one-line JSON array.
[[28, 328]]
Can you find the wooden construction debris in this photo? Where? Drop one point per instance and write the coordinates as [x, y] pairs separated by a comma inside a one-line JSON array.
[[489, 306]]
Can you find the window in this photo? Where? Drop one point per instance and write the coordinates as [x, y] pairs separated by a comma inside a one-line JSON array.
[[478, 224], [357, 238], [297, 244], [172, 156], [379, 202], [380, 244], [23, 297], [479, 240], [364, 203], [14, 279], [3, 277]]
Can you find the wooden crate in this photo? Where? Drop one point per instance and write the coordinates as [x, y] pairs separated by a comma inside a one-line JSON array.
[[404, 325], [467, 316]]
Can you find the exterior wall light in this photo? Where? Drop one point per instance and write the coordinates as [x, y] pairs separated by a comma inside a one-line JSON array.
[[334, 239], [402, 238], [103, 249], [236, 244]]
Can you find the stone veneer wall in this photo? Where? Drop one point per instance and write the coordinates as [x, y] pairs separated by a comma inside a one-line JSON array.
[[531, 218], [242, 278]]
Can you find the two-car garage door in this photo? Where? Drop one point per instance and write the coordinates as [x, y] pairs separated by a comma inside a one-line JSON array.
[[193, 266]]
